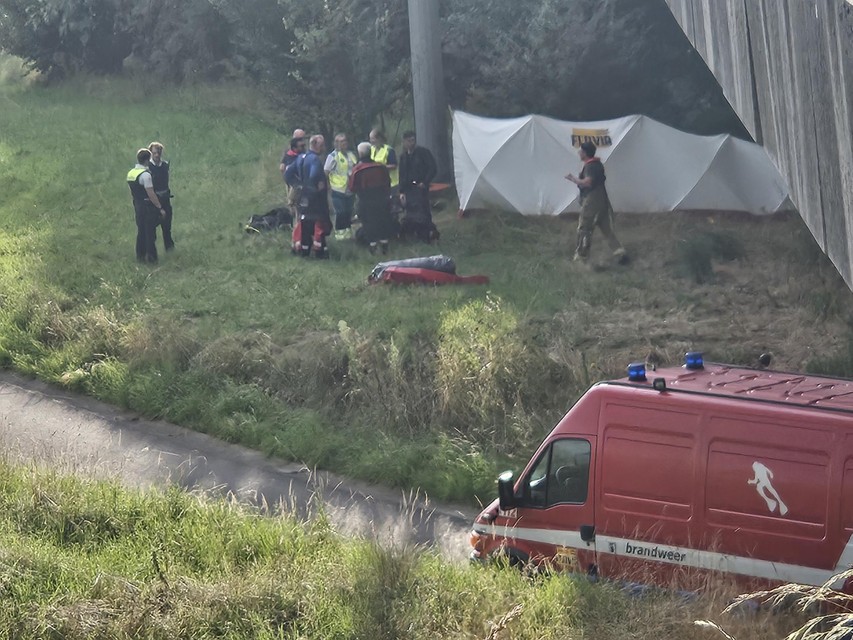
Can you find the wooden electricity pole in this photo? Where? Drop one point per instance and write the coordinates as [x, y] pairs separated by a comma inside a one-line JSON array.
[[428, 82]]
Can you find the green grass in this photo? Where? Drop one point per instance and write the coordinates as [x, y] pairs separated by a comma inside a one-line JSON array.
[[82, 559], [417, 387]]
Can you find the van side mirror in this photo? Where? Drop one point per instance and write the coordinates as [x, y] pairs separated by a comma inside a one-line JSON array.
[[506, 491]]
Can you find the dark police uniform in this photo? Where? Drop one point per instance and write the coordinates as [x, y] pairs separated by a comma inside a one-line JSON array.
[[417, 167], [147, 217], [160, 175]]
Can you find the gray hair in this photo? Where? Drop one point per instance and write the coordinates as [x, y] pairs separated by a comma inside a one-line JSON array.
[[364, 149]]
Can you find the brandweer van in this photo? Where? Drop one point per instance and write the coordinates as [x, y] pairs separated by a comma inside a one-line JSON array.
[[688, 470]]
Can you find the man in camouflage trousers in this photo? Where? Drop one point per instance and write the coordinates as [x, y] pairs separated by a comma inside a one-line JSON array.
[[596, 210]]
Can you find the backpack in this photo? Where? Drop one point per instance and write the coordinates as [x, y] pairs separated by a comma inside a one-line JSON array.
[[269, 221]]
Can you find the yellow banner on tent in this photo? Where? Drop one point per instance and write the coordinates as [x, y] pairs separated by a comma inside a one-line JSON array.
[[599, 137]]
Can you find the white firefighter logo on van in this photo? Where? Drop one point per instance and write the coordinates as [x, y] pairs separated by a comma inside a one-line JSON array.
[[762, 482]]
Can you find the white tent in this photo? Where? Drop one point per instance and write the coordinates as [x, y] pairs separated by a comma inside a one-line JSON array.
[[519, 164]]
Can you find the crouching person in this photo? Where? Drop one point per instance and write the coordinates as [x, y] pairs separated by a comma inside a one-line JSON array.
[[371, 184]]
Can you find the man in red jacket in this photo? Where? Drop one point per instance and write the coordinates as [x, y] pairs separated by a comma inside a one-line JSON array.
[[371, 183]]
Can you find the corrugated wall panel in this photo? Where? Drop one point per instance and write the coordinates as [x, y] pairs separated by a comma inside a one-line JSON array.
[[786, 68]]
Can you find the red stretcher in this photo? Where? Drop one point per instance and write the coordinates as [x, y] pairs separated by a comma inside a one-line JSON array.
[[418, 275]]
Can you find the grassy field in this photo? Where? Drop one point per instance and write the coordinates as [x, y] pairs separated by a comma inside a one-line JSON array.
[[80, 560], [436, 388]]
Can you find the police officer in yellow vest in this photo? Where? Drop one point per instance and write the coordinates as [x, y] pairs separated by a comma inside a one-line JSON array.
[[338, 168], [147, 207], [382, 153]]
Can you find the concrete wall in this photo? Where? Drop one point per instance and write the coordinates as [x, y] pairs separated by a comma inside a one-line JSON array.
[[786, 66]]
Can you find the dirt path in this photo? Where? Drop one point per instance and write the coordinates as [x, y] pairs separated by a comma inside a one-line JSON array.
[[46, 426]]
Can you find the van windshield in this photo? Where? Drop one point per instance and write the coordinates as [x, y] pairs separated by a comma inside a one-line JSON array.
[[562, 474]]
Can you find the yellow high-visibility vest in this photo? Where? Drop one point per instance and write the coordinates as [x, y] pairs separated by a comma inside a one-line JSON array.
[[339, 176], [133, 174], [381, 156], [137, 190]]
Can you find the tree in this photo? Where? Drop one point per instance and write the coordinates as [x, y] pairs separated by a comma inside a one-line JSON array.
[[579, 60], [349, 62], [180, 39], [332, 65], [63, 36], [175, 38]]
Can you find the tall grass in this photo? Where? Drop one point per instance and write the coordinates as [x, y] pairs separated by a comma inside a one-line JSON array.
[[826, 612], [429, 387], [81, 559]]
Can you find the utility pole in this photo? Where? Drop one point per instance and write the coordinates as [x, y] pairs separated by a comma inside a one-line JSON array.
[[428, 82]]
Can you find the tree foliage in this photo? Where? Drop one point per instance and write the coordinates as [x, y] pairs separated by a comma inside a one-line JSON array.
[[181, 39], [336, 64], [60, 36], [579, 60], [352, 61], [344, 64], [175, 38]]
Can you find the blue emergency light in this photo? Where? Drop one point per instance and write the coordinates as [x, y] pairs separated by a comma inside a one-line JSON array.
[[693, 360], [637, 372]]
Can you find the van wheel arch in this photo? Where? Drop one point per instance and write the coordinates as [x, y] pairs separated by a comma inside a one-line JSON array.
[[515, 558]]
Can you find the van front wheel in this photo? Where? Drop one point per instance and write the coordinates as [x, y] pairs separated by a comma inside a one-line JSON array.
[[510, 557]]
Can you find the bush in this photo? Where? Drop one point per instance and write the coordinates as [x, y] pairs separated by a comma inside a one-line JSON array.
[[391, 380], [177, 38], [490, 379], [840, 364], [698, 252]]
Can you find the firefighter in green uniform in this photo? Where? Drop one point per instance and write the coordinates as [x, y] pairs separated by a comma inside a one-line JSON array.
[[146, 206], [596, 210]]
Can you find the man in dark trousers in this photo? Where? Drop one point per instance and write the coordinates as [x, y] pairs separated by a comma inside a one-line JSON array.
[[314, 219], [146, 206], [596, 210], [371, 183], [297, 147], [417, 171], [159, 169]]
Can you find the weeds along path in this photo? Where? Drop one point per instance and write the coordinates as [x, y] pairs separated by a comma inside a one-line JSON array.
[[47, 427]]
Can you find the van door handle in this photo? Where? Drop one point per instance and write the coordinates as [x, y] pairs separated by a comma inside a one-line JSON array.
[[587, 532]]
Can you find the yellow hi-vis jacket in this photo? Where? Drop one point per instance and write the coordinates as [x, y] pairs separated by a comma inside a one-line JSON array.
[[339, 176], [137, 191], [381, 156]]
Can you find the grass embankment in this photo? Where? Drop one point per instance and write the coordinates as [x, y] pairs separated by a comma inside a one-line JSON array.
[[80, 559], [436, 388]]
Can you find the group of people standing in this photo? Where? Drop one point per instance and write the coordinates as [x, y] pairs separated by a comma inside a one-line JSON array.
[[152, 201], [371, 185]]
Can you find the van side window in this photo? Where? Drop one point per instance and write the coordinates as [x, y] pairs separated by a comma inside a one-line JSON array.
[[561, 475]]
